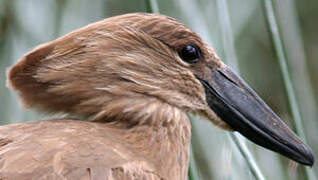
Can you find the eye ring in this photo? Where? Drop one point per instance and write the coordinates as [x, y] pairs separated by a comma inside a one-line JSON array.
[[190, 53]]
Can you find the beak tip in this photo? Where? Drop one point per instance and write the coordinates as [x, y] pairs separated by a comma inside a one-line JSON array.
[[308, 157], [308, 161], [244, 111]]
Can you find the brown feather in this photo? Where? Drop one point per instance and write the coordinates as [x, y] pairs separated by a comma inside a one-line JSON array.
[[124, 73]]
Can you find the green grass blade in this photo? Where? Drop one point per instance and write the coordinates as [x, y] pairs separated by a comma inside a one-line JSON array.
[[248, 157], [59, 10], [230, 54], [227, 34], [152, 6], [291, 96]]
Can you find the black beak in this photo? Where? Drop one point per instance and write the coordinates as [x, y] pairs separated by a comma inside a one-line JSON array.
[[243, 110]]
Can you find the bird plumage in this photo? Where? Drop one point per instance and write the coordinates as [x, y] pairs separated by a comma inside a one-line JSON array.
[[121, 73], [114, 60], [75, 150], [125, 76]]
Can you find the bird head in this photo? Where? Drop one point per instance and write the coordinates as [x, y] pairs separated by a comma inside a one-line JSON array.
[[135, 64]]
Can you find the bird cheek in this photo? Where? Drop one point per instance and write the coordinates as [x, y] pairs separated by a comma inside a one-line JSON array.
[[216, 120], [209, 115]]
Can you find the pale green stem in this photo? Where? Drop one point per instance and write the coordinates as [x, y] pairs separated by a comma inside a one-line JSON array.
[[281, 57], [228, 46], [152, 6]]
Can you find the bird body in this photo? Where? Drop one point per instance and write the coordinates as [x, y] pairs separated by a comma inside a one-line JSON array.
[[34, 151], [133, 80]]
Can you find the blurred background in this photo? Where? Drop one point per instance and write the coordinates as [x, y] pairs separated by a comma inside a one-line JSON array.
[[24, 24]]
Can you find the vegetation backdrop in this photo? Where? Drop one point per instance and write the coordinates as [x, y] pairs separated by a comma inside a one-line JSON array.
[[25, 24]]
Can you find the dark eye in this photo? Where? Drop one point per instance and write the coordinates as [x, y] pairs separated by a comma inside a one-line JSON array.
[[190, 53]]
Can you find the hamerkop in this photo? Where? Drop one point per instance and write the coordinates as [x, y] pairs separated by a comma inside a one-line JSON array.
[[131, 81]]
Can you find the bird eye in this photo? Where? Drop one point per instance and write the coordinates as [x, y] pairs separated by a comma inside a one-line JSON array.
[[190, 53]]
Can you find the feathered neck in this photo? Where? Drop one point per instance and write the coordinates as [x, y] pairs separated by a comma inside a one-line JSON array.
[[160, 132]]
